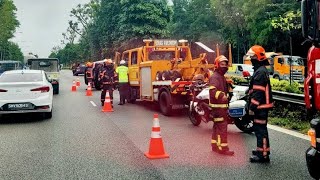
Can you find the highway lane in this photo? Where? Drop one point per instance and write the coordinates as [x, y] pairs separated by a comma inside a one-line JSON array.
[[81, 142]]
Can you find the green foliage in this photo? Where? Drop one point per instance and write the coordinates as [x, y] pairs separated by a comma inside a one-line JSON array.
[[8, 20], [301, 126], [238, 80], [10, 51], [285, 86], [287, 22], [67, 55]]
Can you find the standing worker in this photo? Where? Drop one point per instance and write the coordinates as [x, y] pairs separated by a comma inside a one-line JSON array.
[[260, 102], [89, 73], [107, 79], [122, 71], [219, 102]]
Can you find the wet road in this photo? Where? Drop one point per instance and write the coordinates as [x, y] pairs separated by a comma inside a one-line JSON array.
[[81, 142]]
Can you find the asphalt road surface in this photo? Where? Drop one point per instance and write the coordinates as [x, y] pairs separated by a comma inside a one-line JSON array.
[[81, 142]]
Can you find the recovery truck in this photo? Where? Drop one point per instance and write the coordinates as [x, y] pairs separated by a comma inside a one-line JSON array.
[[161, 71], [310, 30]]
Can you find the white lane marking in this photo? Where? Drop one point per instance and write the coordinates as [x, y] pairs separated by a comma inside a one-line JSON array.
[[289, 132], [93, 104]]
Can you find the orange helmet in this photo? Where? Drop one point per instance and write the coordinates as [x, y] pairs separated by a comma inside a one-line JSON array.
[[89, 64], [219, 59], [257, 52]]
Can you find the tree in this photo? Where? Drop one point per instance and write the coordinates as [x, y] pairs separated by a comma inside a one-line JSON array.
[[8, 20]]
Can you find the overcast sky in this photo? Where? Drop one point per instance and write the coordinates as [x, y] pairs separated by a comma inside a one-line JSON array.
[[41, 24]]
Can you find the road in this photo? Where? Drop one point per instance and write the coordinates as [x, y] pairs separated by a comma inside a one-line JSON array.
[[81, 142]]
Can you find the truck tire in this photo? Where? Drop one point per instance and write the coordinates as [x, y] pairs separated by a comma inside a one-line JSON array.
[[159, 76], [56, 89], [276, 77], [165, 103]]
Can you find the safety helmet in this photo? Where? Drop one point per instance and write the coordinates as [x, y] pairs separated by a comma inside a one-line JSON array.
[[108, 61], [198, 77], [257, 52], [122, 62], [89, 64], [219, 59]]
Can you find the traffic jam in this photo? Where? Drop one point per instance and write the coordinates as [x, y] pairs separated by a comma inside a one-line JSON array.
[[165, 73]]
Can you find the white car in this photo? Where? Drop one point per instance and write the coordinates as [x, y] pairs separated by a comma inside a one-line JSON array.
[[25, 91]]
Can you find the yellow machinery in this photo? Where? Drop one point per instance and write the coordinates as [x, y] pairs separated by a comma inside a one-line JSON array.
[[161, 71]]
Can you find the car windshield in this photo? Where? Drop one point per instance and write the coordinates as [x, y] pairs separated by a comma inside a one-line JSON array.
[[247, 68], [161, 55], [296, 61], [21, 77], [47, 66]]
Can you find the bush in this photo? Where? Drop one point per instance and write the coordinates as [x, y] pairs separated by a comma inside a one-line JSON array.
[[238, 80], [285, 86]]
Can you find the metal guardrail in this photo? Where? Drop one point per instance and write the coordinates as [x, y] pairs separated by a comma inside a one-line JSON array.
[[288, 97]]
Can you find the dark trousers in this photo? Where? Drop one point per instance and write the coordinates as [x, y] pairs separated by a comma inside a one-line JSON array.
[[219, 133], [123, 91], [106, 88], [261, 132]]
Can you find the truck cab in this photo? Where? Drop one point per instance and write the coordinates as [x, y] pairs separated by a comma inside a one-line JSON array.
[[51, 67], [310, 21]]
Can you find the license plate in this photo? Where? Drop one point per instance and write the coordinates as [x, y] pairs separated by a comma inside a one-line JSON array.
[[19, 106], [236, 112]]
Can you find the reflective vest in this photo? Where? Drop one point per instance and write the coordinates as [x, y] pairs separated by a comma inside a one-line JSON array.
[[122, 74]]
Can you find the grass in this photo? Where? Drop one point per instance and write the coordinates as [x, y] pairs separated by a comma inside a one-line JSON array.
[[301, 126]]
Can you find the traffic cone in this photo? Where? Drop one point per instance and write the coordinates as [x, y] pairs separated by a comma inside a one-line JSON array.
[[78, 82], [107, 107], [156, 149], [74, 87], [89, 90]]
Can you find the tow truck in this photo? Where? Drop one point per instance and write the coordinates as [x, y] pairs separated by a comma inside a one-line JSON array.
[[162, 70], [310, 29]]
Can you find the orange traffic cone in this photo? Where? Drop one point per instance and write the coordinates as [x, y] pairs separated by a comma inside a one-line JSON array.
[[156, 149], [107, 104], [78, 82], [74, 87], [89, 90]]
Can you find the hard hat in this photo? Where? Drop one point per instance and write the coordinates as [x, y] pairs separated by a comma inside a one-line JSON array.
[[122, 62], [198, 77], [219, 59], [257, 52], [89, 64], [108, 61]]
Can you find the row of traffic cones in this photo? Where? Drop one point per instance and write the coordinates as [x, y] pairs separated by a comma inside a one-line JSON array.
[[107, 107], [156, 148]]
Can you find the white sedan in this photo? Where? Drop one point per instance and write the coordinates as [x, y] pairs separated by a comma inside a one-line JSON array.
[[25, 91]]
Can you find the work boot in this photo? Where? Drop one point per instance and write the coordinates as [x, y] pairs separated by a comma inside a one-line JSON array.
[[226, 152], [102, 103], [257, 159], [214, 148], [120, 104], [254, 152]]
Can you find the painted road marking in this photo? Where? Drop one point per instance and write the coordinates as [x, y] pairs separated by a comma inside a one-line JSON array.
[[289, 132], [93, 104]]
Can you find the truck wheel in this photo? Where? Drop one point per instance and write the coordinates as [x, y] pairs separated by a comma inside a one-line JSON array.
[[276, 77], [56, 89], [165, 75], [165, 104], [159, 76]]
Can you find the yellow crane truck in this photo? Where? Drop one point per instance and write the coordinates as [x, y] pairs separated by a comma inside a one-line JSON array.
[[162, 70]]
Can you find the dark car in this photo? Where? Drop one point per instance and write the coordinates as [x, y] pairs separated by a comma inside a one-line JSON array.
[[79, 70]]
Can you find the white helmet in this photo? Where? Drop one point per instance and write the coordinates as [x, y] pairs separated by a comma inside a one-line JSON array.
[[122, 62]]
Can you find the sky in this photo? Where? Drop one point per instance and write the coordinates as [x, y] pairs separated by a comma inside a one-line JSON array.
[[42, 23]]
